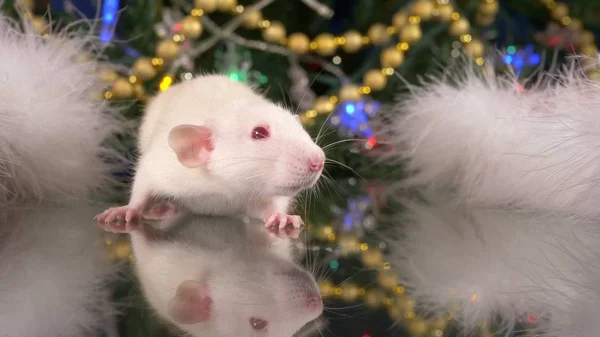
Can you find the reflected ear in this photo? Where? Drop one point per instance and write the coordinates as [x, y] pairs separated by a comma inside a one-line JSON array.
[[192, 144], [191, 304]]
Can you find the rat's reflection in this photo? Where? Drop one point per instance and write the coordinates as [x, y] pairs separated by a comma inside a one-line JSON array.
[[53, 273]]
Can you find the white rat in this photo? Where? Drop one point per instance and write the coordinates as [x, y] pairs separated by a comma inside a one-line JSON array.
[[219, 276], [219, 148]]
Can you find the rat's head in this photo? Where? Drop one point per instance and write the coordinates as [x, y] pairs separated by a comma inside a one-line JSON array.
[[254, 145], [272, 298]]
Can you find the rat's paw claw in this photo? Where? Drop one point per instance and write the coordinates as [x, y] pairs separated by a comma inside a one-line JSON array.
[[278, 224], [111, 220]]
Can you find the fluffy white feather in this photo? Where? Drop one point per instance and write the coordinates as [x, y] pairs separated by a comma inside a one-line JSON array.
[[491, 263], [54, 271], [51, 126], [497, 146]]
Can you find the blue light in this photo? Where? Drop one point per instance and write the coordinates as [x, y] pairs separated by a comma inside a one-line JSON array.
[[519, 63], [508, 59], [350, 108], [109, 14], [535, 59], [348, 221]]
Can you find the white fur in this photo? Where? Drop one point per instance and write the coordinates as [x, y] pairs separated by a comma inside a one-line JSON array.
[[51, 126], [493, 263], [241, 171], [496, 146], [247, 274], [54, 271]]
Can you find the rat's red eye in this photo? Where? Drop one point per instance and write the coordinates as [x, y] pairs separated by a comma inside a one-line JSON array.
[[260, 132], [258, 324]]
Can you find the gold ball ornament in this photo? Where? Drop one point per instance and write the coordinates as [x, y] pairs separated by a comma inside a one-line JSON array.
[[417, 327], [275, 33], [226, 5], [423, 9], [122, 88], [459, 27], [585, 38], [374, 298], [411, 33], [593, 75], [353, 41], [121, 250], [559, 11], [191, 27], [208, 6], [378, 34], [391, 58], [488, 8], [326, 288], [138, 89], [484, 20], [39, 24], [350, 93], [349, 292], [251, 19], [387, 279], [167, 50], [298, 43], [325, 44], [348, 244], [575, 25], [375, 79], [107, 75], [445, 12], [475, 48], [323, 105], [372, 258], [143, 69], [399, 20], [589, 50]]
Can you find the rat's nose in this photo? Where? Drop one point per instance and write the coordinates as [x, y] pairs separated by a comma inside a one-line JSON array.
[[316, 163], [314, 303]]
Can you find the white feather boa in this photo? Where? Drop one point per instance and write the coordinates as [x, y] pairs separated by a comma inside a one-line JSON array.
[[51, 126]]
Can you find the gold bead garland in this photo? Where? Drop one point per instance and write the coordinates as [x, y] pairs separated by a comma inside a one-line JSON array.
[[390, 293]]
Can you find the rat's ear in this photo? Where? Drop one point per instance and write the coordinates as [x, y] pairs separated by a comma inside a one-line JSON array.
[[191, 304], [192, 144]]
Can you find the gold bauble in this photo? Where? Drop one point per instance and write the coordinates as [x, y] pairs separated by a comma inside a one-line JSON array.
[[275, 33], [575, 25], [207, 6], [372, 258], [387, 279], [422, 8], [167, 50], [122, 88], [349, 292], [559, 11], [353, 41], [323, 105], [326, 288], [475, 48], [350, 93], [325, 44], [143, 69], [589, 50], [459, 27], [39, 24], [584, 38], [488, 8], [445, 12], [378, 34], [417, 327], [374, 298], [375, 79], [411, 33], [593, 75], [348, 244], [121, 249], [226, 5], [298, 43], [399, 20], [251, 19], [191, 27], [484, 20], [391, 58], [138, 89], [107, 75]]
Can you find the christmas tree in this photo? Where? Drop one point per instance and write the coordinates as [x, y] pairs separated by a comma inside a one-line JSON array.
[[338, 64]]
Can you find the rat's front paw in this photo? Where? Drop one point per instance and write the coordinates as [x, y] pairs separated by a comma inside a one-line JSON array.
[[118, 219], [278, 223]]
